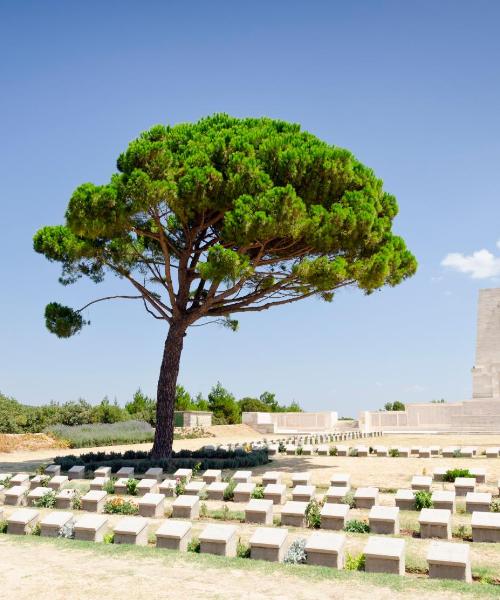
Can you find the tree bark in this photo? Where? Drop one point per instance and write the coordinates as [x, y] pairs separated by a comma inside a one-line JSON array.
[[165, 396]]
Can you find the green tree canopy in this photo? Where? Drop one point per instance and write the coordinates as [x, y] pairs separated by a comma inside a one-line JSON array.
[[225, 215]]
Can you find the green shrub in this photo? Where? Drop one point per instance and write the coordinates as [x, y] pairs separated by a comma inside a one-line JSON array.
[[229, 491], [103, 434], [5, 481], [452, 474], [394, 452], [353, 451], [196, 469], [120, 506], [204, 510], [333, 451], [349, 500], [109, 486], [281, 448], [132, 486], [109, 538], [258, 492], [242, 550], [357, 526], [495, 505], [48, 500], [423, 499], [299, 450], [313, 514], [3, 526], [296, 553], [36, 529], [76, 501], [457, 453], [194, 545], [180, 485], [464, 532], [354, 562]]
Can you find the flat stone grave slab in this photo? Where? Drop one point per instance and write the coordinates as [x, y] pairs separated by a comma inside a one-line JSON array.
[[275, 492], [216, 489], [121, 486], [219, 539], [259, 511], [186, 507], [154, 473], [414, 450], [334, 516], [57, 482], [362, 450], [326, 549], [303, 493], [94, 501], [39, 481], [335, 494], [103, 472], [435, 450], [195, 488], [51, 524], [290, 449], [212, 475], [381, 451], [268, 543], [242, 477], [293, 514], [271, 477], [384, 520], [421, 482], [424, 453], [405, 499], [477, 502], [435, 523], [76, 472], [485, 527], [98, 483], [464, 485], [385, 555], [303, 478], [323, 450], [449, 561], [438, 473], [152, 505], [272, 449], [340, 480], [174, 535], [131, 530], [366, 497], [91, 528], [167, 487], [444, 499], [243, 492], [404, 451], [184, 473], [449, 451], [64, 498], [467, 451], [53, 470], [307, 449], [126, 472], [147, 486], [493, 452], [479, 474], [20, 479], [22, 521], [37, 493], [342, 450]]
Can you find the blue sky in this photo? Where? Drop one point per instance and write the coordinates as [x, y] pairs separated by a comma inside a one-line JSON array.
[[412, 88]]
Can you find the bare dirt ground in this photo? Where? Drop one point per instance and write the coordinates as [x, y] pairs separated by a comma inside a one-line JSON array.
[[83, 574]]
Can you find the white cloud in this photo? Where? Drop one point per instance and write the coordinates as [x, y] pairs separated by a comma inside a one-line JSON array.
[[481, 264]]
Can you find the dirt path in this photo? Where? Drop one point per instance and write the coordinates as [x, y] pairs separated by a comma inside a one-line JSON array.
[[83, 574]]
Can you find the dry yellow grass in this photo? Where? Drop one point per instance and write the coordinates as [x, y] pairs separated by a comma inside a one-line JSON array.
[[12, 442]]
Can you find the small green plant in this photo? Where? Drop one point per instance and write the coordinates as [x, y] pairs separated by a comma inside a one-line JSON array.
[[132, 486], [109, 486], [121, 507], [109, 538], [333, 451], [495, 505], [36, 529], [196, 469], [354, 562], [452, 474], [464, 532], [229, 491], [48, 500], [357, 526], [242, 550], [394, 452], [281, 448], [423, 499], [313, 514], [67, 531], [353, 451], [76, 501], [194, 545], [258, 492], [3, 526], [203, 510], [296, 553], [180, 485], [457, 453], [299, 450], [5, 481], [40, 470], [349, 500]]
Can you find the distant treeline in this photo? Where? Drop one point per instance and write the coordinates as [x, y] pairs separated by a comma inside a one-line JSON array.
[[22, 418]]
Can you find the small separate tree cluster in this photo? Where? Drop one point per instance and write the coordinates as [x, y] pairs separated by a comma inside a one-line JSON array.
[[394, 405]]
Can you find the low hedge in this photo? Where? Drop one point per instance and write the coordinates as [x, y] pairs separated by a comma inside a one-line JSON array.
[[185, 459]]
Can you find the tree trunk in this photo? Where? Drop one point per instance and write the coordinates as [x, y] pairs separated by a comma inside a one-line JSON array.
[[165, 397]]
